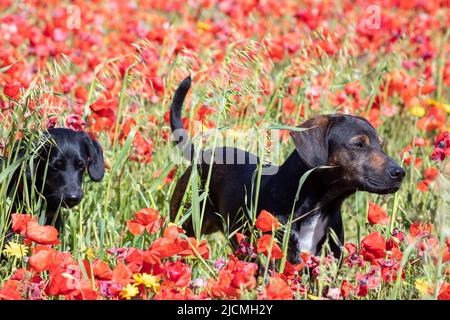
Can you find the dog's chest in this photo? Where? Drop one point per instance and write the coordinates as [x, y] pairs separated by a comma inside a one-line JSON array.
[[307, 230]]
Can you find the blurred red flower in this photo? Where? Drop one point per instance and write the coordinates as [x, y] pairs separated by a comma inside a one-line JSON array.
[[431, 173], [75, 122], [377, 215], [444, 291], [418, 228], [9, 293], [12, 89], [346, 288]]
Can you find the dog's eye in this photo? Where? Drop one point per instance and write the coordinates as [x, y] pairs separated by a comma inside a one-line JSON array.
[[79, 164], [359, 144], [58, 164]]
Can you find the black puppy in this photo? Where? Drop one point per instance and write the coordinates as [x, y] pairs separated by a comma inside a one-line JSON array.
[[58, 169], [347, 145]]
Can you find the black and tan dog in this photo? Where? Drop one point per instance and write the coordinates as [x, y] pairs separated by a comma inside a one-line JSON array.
[[58, 169], [347, 145]]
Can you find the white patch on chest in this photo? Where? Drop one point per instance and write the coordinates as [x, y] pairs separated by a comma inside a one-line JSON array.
[[307, 228]]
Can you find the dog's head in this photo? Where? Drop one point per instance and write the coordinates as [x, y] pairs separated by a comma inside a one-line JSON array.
[[352, 145], [67, 155]]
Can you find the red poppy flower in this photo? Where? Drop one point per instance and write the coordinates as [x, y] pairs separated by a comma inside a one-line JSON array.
[[190, 244], [291, 269], [431, 173], [370, 280], [152, 257], [441, 146], [162, 248], [41, 234], [19, 222], [266, 222], [75, 122], [42, 260], [121, 274], [134, 259], [9, 293], [240, 237], [373, 247], [353, 259], [104, 108], [423, 185], [101, 270], [146, 219], [278, 289], [178, 272], [264, 246], [444, 291], [346, 288], [222, 288], [377, 215], [418, 228], [66, 282], [12, 89], [84, 291]]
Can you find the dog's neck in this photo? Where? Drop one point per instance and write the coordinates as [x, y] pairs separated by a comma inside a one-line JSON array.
[[315, 193], [317, 209]]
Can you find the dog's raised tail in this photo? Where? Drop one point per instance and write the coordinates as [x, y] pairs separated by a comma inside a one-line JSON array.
[[176, 124], [177, 104]]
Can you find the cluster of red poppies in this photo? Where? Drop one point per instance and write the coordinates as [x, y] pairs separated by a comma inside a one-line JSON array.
[[163, 270]]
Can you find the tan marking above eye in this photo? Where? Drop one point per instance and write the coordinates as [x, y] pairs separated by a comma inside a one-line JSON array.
[[361, 138]]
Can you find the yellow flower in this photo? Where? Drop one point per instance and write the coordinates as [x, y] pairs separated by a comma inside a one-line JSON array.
[[203, 26], [148, 280], [417, 111], [90, 254], [17, 250], [312, 297], [421, 286], [129, 291]]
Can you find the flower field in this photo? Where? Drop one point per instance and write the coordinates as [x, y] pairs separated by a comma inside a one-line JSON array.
[[111, 67]]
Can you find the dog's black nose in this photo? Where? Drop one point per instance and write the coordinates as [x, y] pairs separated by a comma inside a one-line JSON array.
[[72, 199], [396, 172]]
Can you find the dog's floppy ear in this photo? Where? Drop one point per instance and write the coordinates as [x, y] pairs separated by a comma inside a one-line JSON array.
[[312, 144], [95, 167]]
